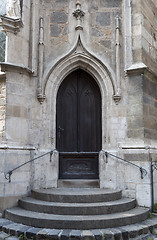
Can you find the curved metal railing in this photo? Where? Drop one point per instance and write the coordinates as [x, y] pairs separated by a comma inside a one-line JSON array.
[[9, 173], [143, 171]]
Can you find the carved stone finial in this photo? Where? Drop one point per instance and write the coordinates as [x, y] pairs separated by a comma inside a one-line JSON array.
[[116, 98], [13, 9], [78, 14]]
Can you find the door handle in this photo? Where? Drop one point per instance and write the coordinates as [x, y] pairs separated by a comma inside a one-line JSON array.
[[60, 130]]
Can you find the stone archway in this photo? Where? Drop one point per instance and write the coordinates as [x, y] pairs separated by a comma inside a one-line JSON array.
[[78, 58]]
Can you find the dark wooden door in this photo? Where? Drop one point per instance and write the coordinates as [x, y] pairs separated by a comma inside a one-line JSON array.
[[78, 126]]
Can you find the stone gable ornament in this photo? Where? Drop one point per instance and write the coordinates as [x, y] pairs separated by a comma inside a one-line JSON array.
[[13, 9], [78, 14]]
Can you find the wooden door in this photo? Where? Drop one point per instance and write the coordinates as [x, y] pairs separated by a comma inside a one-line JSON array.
[[78, 126]]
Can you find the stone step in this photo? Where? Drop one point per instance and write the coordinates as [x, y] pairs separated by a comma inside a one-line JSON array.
[[77, 195], [45, 220], [140, 231], [35, 205], [81, 183]]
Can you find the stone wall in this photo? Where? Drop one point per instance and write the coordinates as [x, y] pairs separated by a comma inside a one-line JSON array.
[[144, 30], [150, 107], [98, 27], [2, 104]]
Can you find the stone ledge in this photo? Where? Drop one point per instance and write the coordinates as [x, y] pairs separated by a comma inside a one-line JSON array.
[[139, 68], [9, 147], [10, 24], [139, 231], [16, 67], [2, 76]]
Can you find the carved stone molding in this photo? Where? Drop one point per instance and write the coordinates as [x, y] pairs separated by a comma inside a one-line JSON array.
[[11, 25], [117, 96], [40, 95], [137, 68], [80, 57], [78, 14]]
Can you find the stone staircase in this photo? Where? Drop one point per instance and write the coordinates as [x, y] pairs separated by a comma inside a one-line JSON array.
[[74, 210], [77, 208]]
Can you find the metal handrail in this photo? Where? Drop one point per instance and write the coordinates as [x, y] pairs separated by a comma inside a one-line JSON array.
[[9, 173], [142, 170], [153, 167]]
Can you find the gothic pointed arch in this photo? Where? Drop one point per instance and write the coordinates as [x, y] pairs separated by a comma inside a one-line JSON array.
[[80, 57]]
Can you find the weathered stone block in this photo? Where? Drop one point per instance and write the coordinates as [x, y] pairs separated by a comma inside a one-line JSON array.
[[55, 30], [32, 232], [135, 133], [149, 87], [96, 32], [65, 235], [135, 84], [97, 234], [87, 235], [135, 110], [49, 234], [135, 122], [75, 235], [150, 133], [62, 1], [94, 4], [103, 19], [136, 157], [59, 17], [147, 99], [110, 3], [106, 43]]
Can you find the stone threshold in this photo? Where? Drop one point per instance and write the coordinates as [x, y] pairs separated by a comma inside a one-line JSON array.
[[140, 231]]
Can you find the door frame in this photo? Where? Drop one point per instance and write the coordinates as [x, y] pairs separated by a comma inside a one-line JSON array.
[[105, 79], [71, 157]]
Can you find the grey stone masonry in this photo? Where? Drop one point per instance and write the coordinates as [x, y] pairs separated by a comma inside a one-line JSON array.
[[103, 19], [59, 17], [110, 3]]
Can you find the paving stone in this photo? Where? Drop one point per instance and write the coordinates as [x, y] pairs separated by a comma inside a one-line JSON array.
[[11, 238], [97, 234], [87, 235], [75, 235], [12, 228], [3, 235], [65, 235], [124, 232], [51, 234], [4, 222], [117, 233], [22, 230], [107, 234], [32, 232]]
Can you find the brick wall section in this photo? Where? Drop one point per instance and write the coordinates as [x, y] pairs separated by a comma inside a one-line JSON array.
[[2, 106]]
